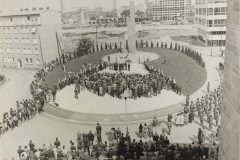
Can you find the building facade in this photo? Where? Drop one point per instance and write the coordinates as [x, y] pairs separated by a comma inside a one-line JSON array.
[[210, 20], [229, 146], [28, 39], [161, 10]]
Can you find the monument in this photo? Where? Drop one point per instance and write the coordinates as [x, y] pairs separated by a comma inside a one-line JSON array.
[[131, 29]]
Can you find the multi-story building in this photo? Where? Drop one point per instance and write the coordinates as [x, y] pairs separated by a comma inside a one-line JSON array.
[[210, 19], [28, 39], [161, 10], [188, 10]]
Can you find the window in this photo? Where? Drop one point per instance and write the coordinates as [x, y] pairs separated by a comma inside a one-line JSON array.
[[8, 30], [3, 59], [26, 30], [209, 23], [9, 59], [35, 41], [30, 61], [197, 10], [210, 11], [24, 51], [23, 40], [11, 50], [38, 62], [0, 40], [196, 20], [14, 30], [1, 50], [8, 51], [27, 40], [6, 40], [219, 22], [204, 11], [18, 51], [10, 40], [33, 30], [36, 51], [210, 1], [29, 51], [21, 30], [3, 30], [200, 11], [220, 11], [16, 40], [13, 59], [26, 60]]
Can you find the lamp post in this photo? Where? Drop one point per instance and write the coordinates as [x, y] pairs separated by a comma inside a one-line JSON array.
[[125, 95], [96, 34]]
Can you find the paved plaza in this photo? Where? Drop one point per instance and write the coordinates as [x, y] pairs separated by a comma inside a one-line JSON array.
[[45, 128]]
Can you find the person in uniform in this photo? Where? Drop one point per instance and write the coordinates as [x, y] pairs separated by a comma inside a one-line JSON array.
[[76, 93]]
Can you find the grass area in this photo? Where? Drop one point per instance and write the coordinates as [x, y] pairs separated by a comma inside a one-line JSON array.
[[188, 39], [187, 72], [74, 66]]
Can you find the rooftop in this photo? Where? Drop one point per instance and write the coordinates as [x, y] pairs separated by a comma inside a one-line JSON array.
[[22, 13]]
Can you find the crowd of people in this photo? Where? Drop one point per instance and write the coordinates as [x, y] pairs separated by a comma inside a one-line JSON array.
[[115, 84], [89, 145]]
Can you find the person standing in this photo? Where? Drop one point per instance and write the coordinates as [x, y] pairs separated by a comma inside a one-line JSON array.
[[76, 93], [98, 128], [169, 117], [208, 87], [200, 137], [169, 124], [90, 137]]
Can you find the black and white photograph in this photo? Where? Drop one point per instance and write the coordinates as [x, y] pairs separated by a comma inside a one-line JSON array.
[[119, 79]]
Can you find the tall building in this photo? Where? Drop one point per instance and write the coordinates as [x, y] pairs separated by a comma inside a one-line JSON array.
[[229, 146], [28, 39], [166, 9], [210, 19], [188, 10]]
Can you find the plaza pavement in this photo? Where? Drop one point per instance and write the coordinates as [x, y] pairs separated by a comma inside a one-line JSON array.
[[44, 129]]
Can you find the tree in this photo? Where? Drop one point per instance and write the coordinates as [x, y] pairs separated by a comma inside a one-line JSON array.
[[185, 50], [136, 44], [106, 47], [151, 44], [97, 48], [115, 45], [141, 43], [139, 13], [171, 45], [93, 49], [175, 46], [125, 13], [89, 48], [110, 46], [157, 44], [178, 47], [182, 49], [83, 45], [146, 44], [127, 45], [161, 44], [101, 47]]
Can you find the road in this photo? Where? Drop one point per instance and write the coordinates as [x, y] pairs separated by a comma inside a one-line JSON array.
[[15, 89]]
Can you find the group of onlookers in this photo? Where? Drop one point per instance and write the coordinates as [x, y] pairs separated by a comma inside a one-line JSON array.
[[118, 147]]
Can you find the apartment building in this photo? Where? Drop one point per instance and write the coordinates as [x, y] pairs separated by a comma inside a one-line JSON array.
[[211, 19], [161, 10], [28, 39]]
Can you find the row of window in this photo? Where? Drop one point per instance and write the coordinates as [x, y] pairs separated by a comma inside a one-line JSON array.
[[210, 1], [212, 11], [17, 40], [23, 30], [19, 51], [26, 60], [212, 23]]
